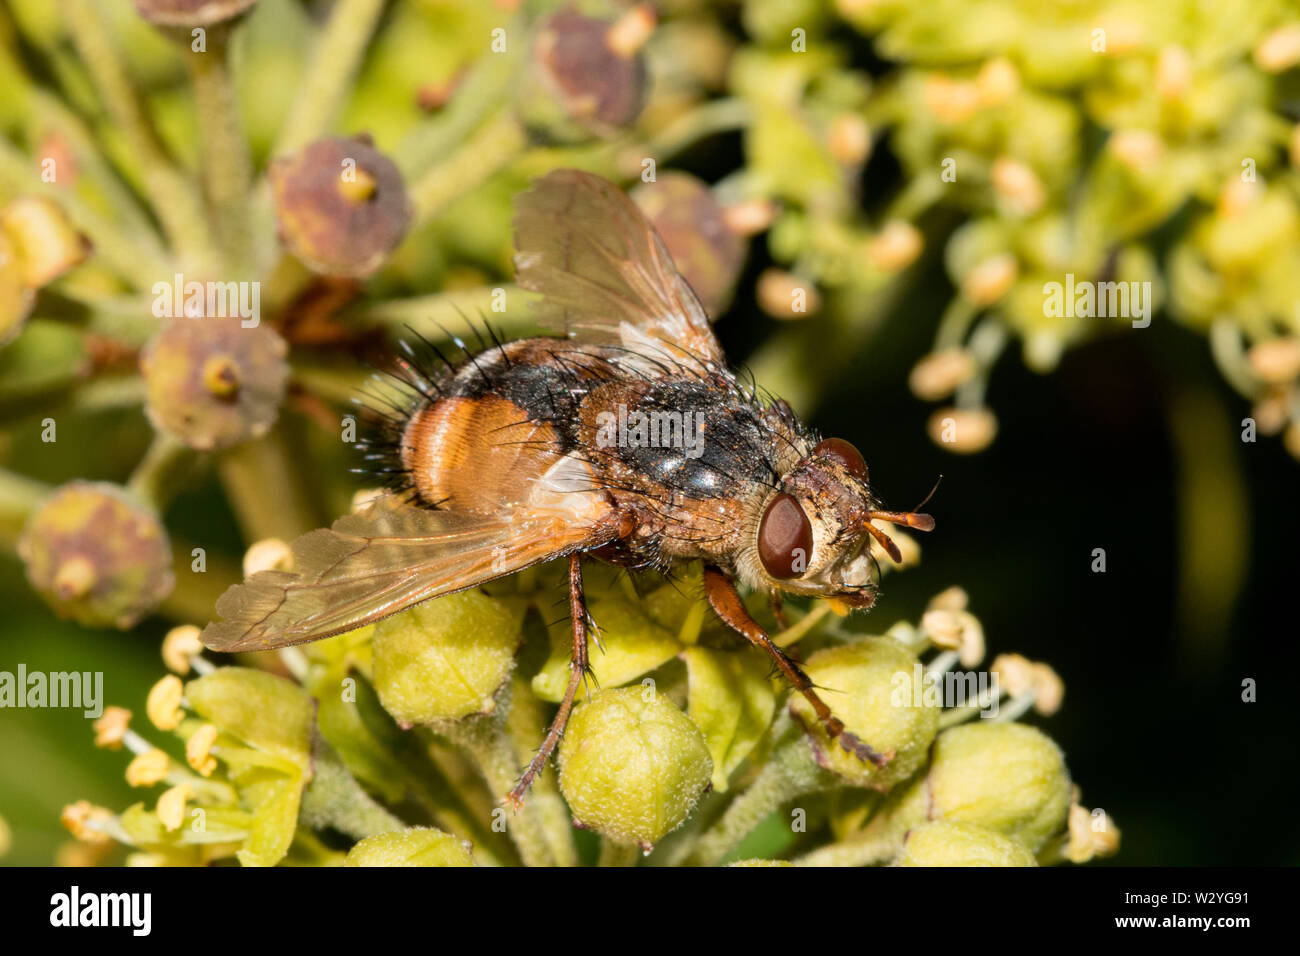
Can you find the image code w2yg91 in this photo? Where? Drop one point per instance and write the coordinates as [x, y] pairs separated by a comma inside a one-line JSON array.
[[508, 434]]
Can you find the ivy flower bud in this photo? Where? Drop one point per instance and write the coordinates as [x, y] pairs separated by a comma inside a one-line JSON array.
[[694, 228], [148, 768], [46, 241], [190, 13], [97, 556], [163, 705], [213, 383], [111, 727], [445, 659], [869, 685], [418, 846], [1004, 776], [180, 646], [944, 843], [341, 205], [632, 765], [587, 77]]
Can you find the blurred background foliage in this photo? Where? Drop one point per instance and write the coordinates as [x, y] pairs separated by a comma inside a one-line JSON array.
[[870, 196]]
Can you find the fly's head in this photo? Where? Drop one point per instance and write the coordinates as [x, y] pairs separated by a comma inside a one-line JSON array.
[[812, 533]]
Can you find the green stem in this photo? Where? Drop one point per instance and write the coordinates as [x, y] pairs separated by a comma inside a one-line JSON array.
[[614, 853], [155, 479], [491, 147], [791, 772], [19, 497], [226, 164], [423, 311], [263, 482], [485, 740], [875, 843], [334, 65], [170, 193]]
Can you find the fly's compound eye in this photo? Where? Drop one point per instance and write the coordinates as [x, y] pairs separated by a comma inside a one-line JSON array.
[[837, 449], [785, 538]]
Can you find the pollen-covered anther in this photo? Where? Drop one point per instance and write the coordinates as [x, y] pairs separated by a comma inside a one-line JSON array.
[[941, 373], [180, 647], [1092, 834], [629, 33], [956, 630], [1275, 361], [163, 704], [148, 768], [198, 750], [171, 806], [954, 598], [991, 279], [87, 822], [1279, 50], [269, 554], [849, 139], [1022, 677], [111, 727], [896, 246]]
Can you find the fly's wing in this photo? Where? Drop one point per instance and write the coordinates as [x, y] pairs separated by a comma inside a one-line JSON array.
[[604, 271], [378, 562]]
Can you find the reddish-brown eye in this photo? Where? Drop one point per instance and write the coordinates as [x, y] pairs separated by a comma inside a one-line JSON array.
[[785, 538], [839, 450]]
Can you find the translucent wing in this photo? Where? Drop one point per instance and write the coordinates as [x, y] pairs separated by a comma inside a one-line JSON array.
[[604, 271], [378, 562]]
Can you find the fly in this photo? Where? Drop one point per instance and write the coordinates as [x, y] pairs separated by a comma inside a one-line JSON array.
[[627, 440]]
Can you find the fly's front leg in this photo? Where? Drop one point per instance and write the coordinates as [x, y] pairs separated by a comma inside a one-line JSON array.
[[731, 609], [577, 668]]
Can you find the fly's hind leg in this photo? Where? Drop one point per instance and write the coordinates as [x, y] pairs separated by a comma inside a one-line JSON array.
[[726, 601], [577, 669]]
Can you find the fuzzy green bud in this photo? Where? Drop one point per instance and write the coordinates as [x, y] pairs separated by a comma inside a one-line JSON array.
[[96, 555], [418, 846], [445, 659], [944, 843], [870, 685], [633, 766], [1006, 777], [16, 297]]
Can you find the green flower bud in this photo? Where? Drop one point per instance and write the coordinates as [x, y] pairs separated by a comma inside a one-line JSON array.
[[213, 383], [190, 13], [47, 243], [869, 685], [632, 765], [944, 843], [586, 75], [445, 659], [96, 555], [692, 225], [418, 846], [16, 297], [745, 863], [341, 205], [1006, 777]]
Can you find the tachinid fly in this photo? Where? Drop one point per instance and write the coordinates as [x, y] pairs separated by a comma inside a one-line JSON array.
[[627, 440]]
